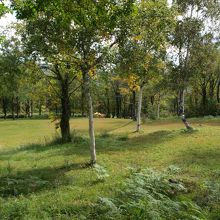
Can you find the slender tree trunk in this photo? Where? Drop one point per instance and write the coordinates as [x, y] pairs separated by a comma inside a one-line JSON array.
[[13, 108], [31, 109], [4, 107], [188, 127], [27, 109], [133, 105], [177, 105], [152, 100], [181, 105], [40, 108], [108, 108], [124, 107], [91, 119], [182, 109], [158, 107], [118, 104], [211, 89], [218, 92], [83, 97], [204, 98], [17, 107], [139, 109], [65, 114]]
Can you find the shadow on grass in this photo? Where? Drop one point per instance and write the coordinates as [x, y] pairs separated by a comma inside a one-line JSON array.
[[105, 142], [153, 138], [54, 143], [35, 180], [208, 158], [123, 126]]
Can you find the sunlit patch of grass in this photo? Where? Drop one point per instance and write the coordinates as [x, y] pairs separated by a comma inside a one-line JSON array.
[[47, 179]]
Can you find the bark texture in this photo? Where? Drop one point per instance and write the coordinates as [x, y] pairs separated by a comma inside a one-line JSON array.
[[65, 114], [91, 119], [139, 109]]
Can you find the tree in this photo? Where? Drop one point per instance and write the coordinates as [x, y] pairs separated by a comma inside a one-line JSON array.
[[75, 34], [204, 62], [187, 34], [3, 10], [9, 74], [146, 46]]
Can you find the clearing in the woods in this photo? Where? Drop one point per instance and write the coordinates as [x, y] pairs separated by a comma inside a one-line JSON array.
[[40, 177]]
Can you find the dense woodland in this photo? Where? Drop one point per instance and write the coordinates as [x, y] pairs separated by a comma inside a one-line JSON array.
[[114, 59]]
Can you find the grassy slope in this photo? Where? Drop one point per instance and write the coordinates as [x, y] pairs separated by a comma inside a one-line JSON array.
[[49, 182]]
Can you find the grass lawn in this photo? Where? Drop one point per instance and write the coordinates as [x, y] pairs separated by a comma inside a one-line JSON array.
[[39, 181]]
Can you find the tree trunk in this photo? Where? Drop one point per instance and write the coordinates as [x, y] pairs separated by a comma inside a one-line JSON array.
[[27, 109], [83, 97], [218, 92], [17, 107], [124, 107], [133, 105], [13, 108], [65, 114], [108, 108], [91, 119], [118, 104], [181, 105], [139, 109], [152, 100], [211, 89], [204, 98], [4, 107], [40, 108], [177, 105], [31, 109], [188, 127], [158, 107], [182, 109]]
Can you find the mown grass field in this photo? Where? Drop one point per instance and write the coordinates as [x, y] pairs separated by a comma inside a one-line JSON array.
[[48, 181]]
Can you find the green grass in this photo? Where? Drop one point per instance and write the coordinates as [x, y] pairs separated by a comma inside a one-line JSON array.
[[48, 181]]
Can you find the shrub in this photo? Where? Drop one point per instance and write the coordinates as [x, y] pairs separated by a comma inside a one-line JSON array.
[[148, 194]]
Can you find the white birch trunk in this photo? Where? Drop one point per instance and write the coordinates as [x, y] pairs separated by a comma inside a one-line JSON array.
[[188, 127], [139, 109], [91, 130], [91, 121], [183, 102]]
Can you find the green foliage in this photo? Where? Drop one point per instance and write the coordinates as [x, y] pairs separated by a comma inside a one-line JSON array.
[[3, 9], [209, 197], [148, 194], [101, 172]]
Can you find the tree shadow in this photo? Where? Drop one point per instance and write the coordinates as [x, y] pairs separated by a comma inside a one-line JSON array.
[[201, 157], [114, 143], [104, 143], [123, 126], [36, 180], [53, 144], [155, 137]]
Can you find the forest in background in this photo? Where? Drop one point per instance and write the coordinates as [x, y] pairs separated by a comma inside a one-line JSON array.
[[114, 59]]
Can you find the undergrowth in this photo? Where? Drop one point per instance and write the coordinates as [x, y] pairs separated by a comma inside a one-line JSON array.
[[147, 194]]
